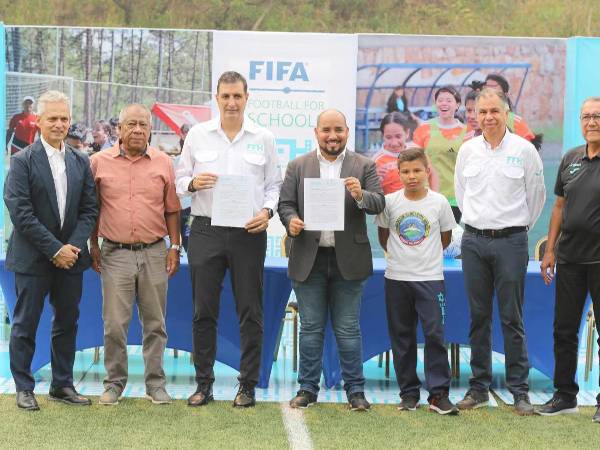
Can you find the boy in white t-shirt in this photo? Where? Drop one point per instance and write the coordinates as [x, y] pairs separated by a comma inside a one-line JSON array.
[[414, 228]]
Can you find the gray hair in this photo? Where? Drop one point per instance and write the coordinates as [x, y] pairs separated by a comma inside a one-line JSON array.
[[133, 105], [593, 99], [51, 97], [489, 92]]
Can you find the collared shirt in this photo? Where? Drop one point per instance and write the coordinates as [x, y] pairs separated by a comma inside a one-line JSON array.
[[134, 195], [578, 181], [251, 152], [56, 158], [329, 170], [499, 187]]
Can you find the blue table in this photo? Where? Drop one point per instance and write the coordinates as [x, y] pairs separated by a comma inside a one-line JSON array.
[[277, 290], [538, 316]]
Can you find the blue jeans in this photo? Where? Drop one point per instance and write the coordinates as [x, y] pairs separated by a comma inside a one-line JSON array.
[[325, 292]]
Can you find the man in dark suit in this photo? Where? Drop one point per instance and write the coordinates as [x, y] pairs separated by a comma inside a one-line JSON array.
[[329, 269], [51, 197]]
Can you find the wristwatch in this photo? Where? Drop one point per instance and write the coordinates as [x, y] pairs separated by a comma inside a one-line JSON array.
[[175, 247], [270, 212]]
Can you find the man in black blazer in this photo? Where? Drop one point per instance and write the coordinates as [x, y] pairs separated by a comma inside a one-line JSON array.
[[51, 198], [329, 268]]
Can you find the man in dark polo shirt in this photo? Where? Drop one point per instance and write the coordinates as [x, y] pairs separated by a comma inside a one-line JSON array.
[[575, 232]]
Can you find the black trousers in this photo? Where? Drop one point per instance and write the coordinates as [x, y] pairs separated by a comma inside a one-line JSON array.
[[407, 301], [211, 251], [573, 282], [64, 290]]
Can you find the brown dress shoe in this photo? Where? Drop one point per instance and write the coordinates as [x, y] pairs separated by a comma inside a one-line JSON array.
[[202, 396], [245, 397]]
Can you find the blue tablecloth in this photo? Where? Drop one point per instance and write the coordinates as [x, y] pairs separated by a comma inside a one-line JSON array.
[[277, 290], [538, 316]]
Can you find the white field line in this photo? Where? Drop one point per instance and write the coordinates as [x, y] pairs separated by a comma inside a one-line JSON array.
[[297, 432]]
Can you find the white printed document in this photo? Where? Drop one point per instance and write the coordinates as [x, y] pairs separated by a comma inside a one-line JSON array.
[[324, 204], [232, 201]]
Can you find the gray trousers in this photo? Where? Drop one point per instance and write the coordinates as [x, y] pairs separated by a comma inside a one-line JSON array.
[[498, 264], [128, 277]]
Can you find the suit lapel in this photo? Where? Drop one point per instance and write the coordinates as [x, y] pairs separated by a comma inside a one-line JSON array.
[[313, 170], [348, 164], [69, 167], [42, 164]]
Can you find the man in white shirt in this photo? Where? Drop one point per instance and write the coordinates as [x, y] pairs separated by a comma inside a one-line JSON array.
[[51, 198], [228, 145], [500, 190]]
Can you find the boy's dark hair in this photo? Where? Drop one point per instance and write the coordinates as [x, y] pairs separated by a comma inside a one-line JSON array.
[[413, 154]]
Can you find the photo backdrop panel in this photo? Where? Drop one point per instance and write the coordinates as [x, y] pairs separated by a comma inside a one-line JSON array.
[[534, 69], [583, 67], [292, 77]]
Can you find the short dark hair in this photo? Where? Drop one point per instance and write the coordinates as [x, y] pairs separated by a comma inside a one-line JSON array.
[[413, 154], [231, 77], [450, 90], [395, 117], [503, 82], [471, 96]]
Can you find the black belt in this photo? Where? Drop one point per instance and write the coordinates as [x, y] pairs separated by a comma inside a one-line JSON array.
[[495, 233], [136, 246], [202, 219], [327, 250]]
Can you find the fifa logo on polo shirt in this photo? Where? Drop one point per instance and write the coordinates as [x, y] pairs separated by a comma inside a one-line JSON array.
[[255, 149], [514, 161]]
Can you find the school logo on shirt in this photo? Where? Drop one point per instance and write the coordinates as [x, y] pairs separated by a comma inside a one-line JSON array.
[[412, 227]]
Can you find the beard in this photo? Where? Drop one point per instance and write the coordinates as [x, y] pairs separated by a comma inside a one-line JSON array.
[[333, 149]]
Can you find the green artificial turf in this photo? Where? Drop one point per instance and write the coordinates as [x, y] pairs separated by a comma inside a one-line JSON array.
[[384, 427], [136, 423]]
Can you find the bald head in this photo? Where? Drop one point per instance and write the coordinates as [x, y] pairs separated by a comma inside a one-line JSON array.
[[329, 113], [331, 133]]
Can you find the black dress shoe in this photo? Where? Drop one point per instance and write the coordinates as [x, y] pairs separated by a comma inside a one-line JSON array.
[[69, 396], [26, 400]]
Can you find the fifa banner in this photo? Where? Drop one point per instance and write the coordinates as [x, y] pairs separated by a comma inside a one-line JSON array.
[[292, 77]]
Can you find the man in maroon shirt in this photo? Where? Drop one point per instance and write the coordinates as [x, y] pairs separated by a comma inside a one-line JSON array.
[[22, 127]]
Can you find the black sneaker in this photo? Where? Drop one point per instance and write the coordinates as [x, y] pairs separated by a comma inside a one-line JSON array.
[[474, 399], [303, 399], [556, 406], [596, 417], [408, 403], [441, 404], [358, 402], [245, 397]]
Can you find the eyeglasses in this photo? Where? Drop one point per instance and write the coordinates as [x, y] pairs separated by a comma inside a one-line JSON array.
[[587, 118]]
